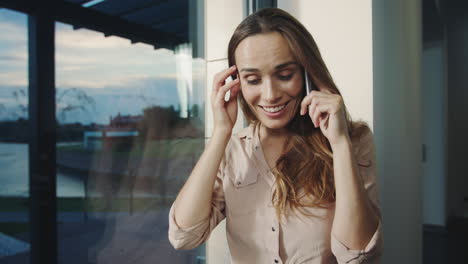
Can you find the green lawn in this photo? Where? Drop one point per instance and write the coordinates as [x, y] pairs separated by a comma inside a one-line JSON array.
[[79, 205], [157, 148], [100, 204]]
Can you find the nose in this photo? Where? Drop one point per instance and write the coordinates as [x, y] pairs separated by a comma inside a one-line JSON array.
[[270, 93]]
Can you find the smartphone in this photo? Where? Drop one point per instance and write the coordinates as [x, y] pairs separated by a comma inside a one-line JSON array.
[[230, 78], [307, 85], [227, 95]]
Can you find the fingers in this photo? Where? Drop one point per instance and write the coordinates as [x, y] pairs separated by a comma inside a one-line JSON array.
[[233, 86], [220, 78], [318, 111], [316, 104], [220, 87], [309, 100]]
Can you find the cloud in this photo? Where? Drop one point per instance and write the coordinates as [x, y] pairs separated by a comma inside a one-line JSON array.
[[75, 68], [16, 78], [16, 33], [13, 58], [70, 58], [85, 58], [115, 81], [13, 48], [86, 39], [10, 101], [88, 59]]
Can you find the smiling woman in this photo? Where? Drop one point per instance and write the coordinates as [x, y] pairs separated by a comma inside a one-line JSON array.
[[270, 78], [298, 185]]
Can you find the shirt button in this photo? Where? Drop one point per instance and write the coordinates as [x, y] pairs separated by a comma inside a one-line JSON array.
[[276, 261], [273, 229]]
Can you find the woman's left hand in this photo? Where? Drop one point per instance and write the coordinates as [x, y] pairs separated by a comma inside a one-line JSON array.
[[327, 111]]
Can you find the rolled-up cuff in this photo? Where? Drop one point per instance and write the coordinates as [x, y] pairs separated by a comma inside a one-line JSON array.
[[370, 254], [185, 238]]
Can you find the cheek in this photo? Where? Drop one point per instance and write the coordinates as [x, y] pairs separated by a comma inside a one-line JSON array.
[[293, 88], [250, 94]]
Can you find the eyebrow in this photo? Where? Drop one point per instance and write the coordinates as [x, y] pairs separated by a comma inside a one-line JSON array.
[[277, 67]]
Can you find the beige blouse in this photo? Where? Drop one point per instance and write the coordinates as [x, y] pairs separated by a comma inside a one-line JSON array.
[[242, 195]]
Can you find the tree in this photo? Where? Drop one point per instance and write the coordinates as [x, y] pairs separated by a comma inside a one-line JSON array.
[[22, 104], [73, 99], [195, 110], [67, 100]]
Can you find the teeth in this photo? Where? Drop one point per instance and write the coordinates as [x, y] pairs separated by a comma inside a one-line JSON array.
[[274, 109]]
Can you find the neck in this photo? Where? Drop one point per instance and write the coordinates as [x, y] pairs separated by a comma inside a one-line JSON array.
[[269, 134]]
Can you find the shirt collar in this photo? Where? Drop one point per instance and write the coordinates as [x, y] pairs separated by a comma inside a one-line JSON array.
[[254, 150], [247, 132], [250, 135]]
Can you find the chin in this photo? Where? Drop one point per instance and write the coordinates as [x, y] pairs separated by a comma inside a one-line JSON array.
[[275, 123]]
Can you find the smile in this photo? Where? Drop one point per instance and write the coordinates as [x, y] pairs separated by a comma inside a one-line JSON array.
[[274, 110]]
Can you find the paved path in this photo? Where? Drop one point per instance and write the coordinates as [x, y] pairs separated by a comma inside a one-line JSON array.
[[116, 238]]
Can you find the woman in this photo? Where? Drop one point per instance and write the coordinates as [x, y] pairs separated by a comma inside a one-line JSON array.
[[298, 184]]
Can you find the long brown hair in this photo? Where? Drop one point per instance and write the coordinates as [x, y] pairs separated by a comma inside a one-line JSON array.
[[305, 167]]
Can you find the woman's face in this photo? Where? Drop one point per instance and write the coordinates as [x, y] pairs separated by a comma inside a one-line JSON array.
[[271, 79]]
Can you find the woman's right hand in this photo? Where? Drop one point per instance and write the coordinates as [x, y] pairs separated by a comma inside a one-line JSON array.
[[224, 112]]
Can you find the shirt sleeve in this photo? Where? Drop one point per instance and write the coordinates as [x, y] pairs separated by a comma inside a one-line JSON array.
[[192, 237], [368, 170]]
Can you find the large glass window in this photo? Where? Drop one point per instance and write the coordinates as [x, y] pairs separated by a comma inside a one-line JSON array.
[[14, 187], [129, 131], [130, 127]]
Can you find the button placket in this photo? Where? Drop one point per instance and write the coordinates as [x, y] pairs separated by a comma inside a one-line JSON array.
[[275, 234]]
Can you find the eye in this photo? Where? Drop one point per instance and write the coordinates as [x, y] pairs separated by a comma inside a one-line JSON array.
[[285, 77], [253, 81]]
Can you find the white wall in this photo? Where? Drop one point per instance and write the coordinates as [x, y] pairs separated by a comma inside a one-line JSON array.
[[221, 19], [343, 32]]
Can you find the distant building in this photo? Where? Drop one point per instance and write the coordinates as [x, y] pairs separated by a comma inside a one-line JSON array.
[[125, 121], [121, 130]]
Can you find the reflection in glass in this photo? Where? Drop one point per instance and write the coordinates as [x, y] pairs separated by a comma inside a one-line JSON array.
[[129, 131], [14, 162]]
